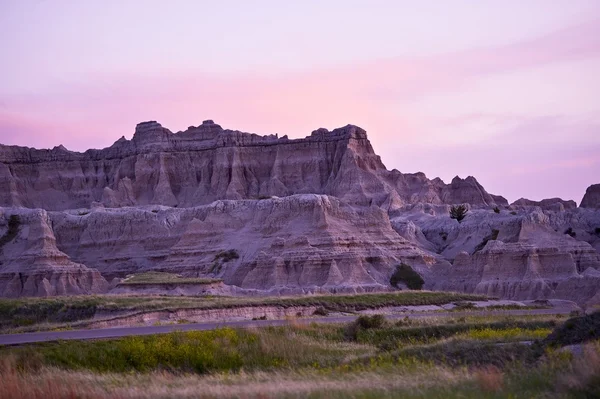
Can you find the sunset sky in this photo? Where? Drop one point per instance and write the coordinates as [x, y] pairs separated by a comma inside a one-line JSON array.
[[506, 91]]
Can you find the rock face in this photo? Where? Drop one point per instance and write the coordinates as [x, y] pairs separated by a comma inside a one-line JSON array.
[[271, 215], [591, 199], [553, 204], [206, 163], [31, 265], [301, 243]]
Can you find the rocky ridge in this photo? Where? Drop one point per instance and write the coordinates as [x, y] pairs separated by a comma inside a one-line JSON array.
[[272, 215]]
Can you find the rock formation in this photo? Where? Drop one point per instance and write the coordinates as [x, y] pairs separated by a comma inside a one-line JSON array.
[[591, 199], [207, 163], [553, 204], [272, 215], [31, 265]]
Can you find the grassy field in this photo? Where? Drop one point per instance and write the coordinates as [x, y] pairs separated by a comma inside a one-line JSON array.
[[32, 312], [165, 278], [369, 358]]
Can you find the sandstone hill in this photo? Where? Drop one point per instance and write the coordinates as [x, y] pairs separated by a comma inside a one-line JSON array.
[[272, 215]]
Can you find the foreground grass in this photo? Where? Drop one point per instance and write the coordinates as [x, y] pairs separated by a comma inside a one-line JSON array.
[[420, 359], [33, 311], [165, 278]]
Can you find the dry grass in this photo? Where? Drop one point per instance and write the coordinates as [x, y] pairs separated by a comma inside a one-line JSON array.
[[316, 361], [150, 278], [32, 314], [51, 383]]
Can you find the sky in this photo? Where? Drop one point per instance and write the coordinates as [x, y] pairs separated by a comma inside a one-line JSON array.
[[507, 91]]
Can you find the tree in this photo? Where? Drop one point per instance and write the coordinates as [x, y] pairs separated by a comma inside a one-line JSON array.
[[405, 274], [458, 212]]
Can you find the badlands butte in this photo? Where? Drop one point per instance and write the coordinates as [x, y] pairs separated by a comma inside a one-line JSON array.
[[269, 215]]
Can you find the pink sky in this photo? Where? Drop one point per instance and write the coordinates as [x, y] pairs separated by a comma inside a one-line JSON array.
[[506, 91]]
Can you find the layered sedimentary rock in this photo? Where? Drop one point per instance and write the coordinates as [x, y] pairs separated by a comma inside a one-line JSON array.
[[530, 254], [31, 265], [553, 204], [269, 214], [591, 199], [300, 243], [206, 163]]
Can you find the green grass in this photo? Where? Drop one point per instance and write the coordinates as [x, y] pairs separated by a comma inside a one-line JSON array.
[[165, 278], [33, 311], [460, 360]]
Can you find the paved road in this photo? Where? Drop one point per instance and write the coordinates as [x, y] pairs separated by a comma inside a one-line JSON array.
[[115, 332]]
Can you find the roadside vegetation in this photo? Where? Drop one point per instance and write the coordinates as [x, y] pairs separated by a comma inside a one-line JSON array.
[[32, 313], [369, 358], [164, 278]]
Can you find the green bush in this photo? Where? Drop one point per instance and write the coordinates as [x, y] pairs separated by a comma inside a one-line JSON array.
[[458, 212], [320, 311], [363, 323], [576, 330], [405, 274]]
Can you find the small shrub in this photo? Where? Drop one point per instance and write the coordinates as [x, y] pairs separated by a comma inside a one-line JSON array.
[[226, 256], [320, 311], [597, 231], [405, 274], [463, 305], [364, 322], [570, 232], [154, 210], [264, 197], [496, 210], [513, 213], [458, 212], [444, 235]]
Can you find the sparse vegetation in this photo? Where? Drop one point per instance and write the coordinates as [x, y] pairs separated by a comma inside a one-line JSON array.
[[369, 358], [405, 274], [576, 330], [492, 236], [570, 232], [458, 212], [33, 313], [444, 235], [226, 256], [496, 210], [165, 278], [14, 221], [320, 311], [513, 213], [221, 258]]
